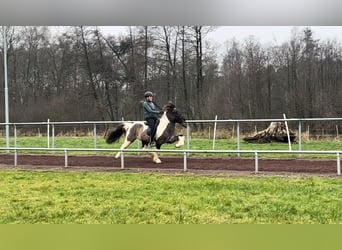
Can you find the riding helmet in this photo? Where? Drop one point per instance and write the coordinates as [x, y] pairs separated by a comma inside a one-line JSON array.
[[148, 93]]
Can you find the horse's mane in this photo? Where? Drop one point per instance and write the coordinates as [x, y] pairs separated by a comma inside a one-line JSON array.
[[169, 106]]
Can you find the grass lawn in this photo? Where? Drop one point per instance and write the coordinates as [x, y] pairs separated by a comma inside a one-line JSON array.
[[196, 144], [71, 197]]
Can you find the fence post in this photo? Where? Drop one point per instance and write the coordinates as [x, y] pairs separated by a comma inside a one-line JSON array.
[[338, 164], [15, 157], [300, 137], [214, 132], [238, 137], [185, 162], [15, 136], [94, 133], [188, 136], [122, 160], [65, 158], [53, 136], [48, 133], [288, 133], [256, 163]]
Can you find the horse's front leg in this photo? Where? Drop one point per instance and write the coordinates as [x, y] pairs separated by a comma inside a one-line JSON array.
[[180, 141], [177, 138]]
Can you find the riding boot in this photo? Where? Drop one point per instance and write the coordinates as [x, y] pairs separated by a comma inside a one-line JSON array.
[[153, 142]]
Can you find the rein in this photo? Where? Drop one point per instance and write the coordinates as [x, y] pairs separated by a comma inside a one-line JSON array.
[[157, 105]]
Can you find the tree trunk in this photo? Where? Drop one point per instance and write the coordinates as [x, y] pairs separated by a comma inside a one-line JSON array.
[[276, 132]]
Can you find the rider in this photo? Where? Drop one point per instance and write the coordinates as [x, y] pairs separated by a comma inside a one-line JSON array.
[[150, 113]]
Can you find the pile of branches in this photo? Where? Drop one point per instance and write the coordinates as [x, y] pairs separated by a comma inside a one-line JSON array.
[[276, 132]]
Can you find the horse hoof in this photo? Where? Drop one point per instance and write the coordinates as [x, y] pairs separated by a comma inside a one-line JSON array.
[[157, 161]]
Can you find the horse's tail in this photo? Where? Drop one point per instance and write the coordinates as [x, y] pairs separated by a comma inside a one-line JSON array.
[[114, 135]]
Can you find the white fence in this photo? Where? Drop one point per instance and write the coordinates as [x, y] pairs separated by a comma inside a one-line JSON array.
[[50, 134], [51, 126], [185, 154]]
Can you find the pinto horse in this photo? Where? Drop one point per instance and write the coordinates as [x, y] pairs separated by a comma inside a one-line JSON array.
[[139, 130]]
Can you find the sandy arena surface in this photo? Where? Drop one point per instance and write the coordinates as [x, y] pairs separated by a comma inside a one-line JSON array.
[[201, 165]]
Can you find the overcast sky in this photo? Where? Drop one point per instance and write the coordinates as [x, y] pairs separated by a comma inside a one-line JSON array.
[[265, 34]]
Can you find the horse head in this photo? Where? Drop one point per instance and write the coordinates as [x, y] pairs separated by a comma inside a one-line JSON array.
[[173, 115]]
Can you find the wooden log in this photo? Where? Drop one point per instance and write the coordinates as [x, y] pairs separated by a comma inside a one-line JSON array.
[[276, 132]]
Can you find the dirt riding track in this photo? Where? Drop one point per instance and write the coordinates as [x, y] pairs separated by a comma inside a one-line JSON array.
[[173, 164]]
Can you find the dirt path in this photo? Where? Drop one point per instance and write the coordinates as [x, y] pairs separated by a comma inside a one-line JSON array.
[[174, 164]]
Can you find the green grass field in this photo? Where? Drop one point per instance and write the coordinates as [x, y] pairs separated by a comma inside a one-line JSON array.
[[196, 144], [87, 198]]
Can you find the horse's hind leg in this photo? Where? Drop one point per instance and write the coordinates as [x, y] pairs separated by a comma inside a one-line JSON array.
[[123, 146]]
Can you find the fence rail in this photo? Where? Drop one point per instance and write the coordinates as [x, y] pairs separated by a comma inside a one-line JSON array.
[[50, 134], [50, 127], [185, 154]]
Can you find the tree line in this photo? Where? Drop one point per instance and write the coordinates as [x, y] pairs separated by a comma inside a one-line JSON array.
[[83, 74]]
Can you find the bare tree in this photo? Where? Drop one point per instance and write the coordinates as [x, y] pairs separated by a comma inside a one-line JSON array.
[[81, 74]]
